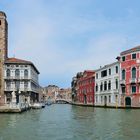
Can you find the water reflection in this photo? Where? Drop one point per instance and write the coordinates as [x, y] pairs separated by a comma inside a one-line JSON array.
[[65, 122]]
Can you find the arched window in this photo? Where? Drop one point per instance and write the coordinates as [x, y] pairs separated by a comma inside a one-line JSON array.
[[105, 85], [101, 87], [109, 71], [8, 73], [8, 84], [96, 87], [101, 99], [116, 82], [116, 69], [17, 73], [17, 85], [123, 74], [26, 73], [134, 72], [109, 85], [26, 84], [109, 98]]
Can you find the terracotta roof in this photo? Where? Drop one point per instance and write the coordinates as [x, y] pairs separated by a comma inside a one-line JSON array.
[[14, 60], [89, 71], [137, 48]]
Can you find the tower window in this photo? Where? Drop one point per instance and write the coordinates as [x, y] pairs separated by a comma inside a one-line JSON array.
[[0, 22]]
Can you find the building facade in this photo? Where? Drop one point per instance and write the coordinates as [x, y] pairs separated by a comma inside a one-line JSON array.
[[64, 94], [21, 77], [130, 77], [107, 85], [85, 88], [50, 92], [74, 86]]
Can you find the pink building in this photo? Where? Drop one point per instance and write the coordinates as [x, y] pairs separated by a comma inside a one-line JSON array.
[[130, 77]]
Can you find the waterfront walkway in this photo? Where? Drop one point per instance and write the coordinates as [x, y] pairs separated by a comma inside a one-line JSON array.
[[14, 108]]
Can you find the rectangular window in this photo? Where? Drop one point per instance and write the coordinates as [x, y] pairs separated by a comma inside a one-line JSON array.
[[116, 69], [134, 56], [109, 71], [104, 73], [123, 58], [0, 22], [123, 90], [133, 89], [96, 75]]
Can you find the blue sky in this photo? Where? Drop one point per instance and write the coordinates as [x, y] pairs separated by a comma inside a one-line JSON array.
[[62, 37]]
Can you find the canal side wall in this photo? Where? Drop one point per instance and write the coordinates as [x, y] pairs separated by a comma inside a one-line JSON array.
[[14, 108], [108, 106]]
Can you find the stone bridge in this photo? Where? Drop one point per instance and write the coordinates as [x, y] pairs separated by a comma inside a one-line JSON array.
[[62, 101]]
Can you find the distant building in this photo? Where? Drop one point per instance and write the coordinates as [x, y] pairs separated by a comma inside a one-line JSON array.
[[130, 77], [64, 94], [107, 85], [74, 86], [51, 92], [85, 86]]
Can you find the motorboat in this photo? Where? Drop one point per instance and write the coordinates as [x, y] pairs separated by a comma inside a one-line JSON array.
[[43, 105], [36, 106]]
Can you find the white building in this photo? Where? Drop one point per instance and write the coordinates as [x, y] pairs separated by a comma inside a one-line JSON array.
[[107, 85], [21, 77]]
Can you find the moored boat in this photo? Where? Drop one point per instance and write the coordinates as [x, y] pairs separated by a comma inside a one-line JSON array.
[[36, 106]]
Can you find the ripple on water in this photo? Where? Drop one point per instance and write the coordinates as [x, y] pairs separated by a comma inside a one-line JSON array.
[[65, 122]]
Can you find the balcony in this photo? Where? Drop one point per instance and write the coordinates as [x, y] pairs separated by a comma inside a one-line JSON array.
[[133, 80], [116, 90], [122, 82], [15, 89], [139, 80], [16, 77]]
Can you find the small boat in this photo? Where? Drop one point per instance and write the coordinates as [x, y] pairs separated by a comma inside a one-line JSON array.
[[36, 106], [48, 103], [43, 105]]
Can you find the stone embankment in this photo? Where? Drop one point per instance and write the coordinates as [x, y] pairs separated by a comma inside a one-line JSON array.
[[14, 108]]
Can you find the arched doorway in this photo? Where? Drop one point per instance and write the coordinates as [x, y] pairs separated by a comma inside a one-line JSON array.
[[85, 99], [105, 101], [128, 102]]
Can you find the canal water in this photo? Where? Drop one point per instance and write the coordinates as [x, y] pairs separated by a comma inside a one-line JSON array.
[[66, 122]]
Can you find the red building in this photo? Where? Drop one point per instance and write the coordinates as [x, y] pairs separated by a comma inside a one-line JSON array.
[[85, 87], [130, 77]]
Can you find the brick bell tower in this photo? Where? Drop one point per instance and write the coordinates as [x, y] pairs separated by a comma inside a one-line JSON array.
[[3, 51]]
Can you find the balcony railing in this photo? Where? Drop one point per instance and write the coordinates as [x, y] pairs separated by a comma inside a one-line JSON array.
[[15, 89], [138, 80], [116, 90], [133, 80], [16, 77], [122, 82]]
